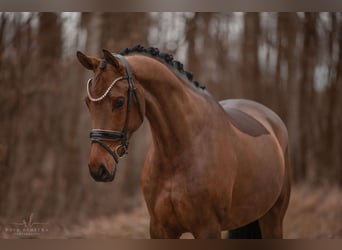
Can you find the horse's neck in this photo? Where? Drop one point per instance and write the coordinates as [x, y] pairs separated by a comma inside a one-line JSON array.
[[176, 111]]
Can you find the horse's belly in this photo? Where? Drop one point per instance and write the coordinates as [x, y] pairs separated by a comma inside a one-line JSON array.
[[259, 179]]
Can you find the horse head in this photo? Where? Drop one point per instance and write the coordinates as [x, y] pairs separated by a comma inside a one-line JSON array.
[[116, 104]]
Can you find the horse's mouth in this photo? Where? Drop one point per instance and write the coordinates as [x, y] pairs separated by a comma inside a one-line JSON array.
[[101, 179], [102, 175]]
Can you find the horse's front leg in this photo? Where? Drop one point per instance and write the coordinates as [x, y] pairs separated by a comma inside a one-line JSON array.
[[208, 232], [160, 231]]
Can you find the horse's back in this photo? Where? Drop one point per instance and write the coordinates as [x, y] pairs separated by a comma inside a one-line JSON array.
[[254, 118]]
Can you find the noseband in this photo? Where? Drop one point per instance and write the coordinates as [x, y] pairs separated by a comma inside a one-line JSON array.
[[101, 135]]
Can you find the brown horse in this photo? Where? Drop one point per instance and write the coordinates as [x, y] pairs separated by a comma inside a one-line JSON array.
[[212, 166]]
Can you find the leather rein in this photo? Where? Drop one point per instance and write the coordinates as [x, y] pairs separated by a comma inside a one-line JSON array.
[[101, 135]]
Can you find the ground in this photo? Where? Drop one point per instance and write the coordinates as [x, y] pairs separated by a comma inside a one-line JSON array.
[[312, 213]]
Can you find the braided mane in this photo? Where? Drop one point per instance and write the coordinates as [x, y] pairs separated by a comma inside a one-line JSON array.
[[166, 58]]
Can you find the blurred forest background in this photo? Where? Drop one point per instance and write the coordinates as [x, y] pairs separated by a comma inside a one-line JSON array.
[[291, 62]]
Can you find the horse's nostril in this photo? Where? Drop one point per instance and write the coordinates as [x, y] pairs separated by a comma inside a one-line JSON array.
[[102, 172]]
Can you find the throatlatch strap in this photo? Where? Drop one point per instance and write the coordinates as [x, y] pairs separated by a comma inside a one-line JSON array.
[[131, 82]]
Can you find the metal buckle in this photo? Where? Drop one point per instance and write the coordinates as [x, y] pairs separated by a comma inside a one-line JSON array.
[[125, 151]]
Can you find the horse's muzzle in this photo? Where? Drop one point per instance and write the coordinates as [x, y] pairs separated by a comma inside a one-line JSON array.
[[102, 174]]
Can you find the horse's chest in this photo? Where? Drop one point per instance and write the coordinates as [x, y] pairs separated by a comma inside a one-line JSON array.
[[159, 201], [183, 205], [167, 201]]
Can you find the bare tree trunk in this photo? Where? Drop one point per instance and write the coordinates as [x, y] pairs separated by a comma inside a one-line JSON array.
[[288, 22], [122, 30], [3, 21], [49, 39], [333, 145], [338, 117], [92, 22], [4, 147], [13, 95], [280, 82], [250, 66], [307, 101], [191, 34]]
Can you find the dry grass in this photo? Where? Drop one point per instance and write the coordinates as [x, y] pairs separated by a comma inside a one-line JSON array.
[[132, 224], [313, 213]]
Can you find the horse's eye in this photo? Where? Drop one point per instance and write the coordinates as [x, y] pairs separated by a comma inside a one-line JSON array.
[[119, 102]]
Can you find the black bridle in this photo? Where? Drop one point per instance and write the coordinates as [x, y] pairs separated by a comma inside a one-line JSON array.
[[101, 135]]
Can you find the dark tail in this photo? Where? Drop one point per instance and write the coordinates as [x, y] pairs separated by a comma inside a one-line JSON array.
[[250, 231]]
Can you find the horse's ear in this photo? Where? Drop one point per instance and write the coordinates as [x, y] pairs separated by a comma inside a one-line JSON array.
[[88, 62], [111, 59]]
